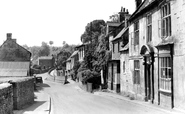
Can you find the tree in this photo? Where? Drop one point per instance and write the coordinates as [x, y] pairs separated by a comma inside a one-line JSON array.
[[92, 31], [45, 50], [62, 57], [26, 47], [50, 43]]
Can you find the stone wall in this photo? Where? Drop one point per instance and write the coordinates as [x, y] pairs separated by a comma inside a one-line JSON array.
[[23, 92], [6, 98]]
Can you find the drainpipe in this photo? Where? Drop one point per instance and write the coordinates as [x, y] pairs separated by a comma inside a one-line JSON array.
[[172, 95], [153, 59], [158, 79]]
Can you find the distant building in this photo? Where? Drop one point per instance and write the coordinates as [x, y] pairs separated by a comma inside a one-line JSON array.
[[14, 59], [68, 67], [81, 51], [70, 63], [46, 62]]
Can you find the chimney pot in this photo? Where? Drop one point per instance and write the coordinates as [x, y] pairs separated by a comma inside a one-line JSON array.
[[127, 11], [121, 9], [9, 36]]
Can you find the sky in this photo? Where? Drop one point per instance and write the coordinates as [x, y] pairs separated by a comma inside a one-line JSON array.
[[33, 21]]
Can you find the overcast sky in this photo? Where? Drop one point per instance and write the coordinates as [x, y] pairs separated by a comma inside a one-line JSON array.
[[34, 21]]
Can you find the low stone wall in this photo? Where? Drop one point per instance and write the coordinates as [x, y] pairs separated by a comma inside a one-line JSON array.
[[23, 92], [6, 98]]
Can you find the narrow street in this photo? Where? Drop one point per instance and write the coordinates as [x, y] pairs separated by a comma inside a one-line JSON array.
[[70, 99]]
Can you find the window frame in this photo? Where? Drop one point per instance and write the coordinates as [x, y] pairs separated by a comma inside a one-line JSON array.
[[165, 73], [118, 46], [124, 70], [166, 20], [136, 33], [149, 28], [113, 47], [136, 71]]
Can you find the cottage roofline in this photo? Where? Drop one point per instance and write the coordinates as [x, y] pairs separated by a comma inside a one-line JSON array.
[[143, 9]]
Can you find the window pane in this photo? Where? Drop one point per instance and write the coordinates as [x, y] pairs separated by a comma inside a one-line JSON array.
[[169, 21], [165, 10], [169, 8], [163, 27], [165, 73]]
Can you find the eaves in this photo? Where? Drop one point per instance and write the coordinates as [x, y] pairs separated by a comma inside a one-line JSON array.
[[149, 7]]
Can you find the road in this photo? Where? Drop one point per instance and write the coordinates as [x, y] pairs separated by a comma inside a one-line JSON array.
[[70, 99]]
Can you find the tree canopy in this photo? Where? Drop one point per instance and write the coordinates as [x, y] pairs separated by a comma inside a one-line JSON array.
[[92, 31], [97, 53]]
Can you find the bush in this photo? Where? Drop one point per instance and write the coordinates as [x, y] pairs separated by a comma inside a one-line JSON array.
[[35, 66], [86, 75]]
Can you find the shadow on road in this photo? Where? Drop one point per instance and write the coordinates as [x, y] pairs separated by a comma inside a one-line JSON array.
[[40, 87], [35, 105]]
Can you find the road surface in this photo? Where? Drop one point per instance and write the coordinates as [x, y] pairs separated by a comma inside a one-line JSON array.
[[70, 99]]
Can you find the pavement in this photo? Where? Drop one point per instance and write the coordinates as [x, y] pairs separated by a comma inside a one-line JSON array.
[[109, 93], [146, 104], [41, 105]]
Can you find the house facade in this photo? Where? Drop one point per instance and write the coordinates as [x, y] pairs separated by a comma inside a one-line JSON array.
[[68, 67], [156, 56], [14, 59], [81, 52], [46, 62], [70, 63], [74, 59], [115, 30], [11, 51]]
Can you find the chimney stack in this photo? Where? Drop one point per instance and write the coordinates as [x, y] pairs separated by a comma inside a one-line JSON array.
[[9, 36], [138, 2]]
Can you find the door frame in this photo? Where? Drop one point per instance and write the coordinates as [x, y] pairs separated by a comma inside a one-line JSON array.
[[147, 51]]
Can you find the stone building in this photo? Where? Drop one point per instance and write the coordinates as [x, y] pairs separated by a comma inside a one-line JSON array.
[[14, 59], [11, 51], [115, 31], [46, 62], [70, 62], [68, 67], [156, 56], [81, 51]]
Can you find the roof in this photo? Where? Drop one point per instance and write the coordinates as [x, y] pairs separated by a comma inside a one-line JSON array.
[[115, 24], [74, 53], [14, 65], [126, 47], [46, 57], [143, 7], [69, 59], [15, 43], [120, 33], [14, 68], [13, 72], [82, 45]]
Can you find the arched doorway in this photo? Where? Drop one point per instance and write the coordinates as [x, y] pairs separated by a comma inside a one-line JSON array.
[[148, 61]]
